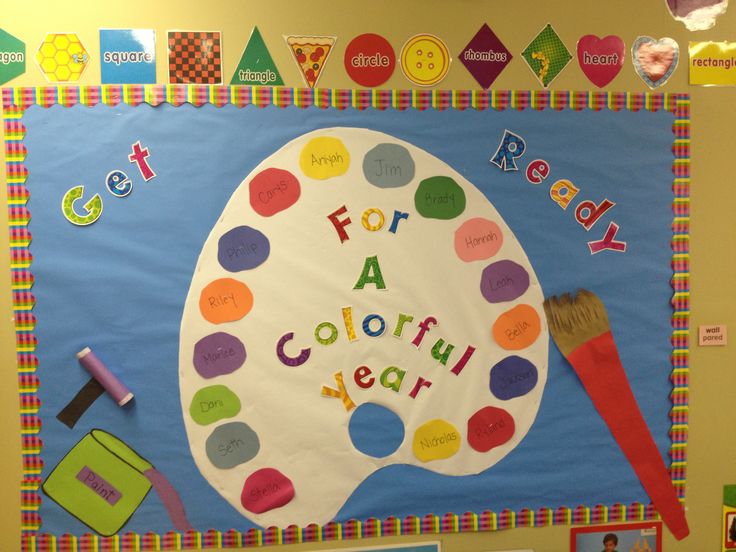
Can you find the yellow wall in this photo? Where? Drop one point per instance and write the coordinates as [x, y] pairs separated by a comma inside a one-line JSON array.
[[712, 446]]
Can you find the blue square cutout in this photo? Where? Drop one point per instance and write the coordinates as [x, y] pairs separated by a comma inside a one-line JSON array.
[[128, 56]]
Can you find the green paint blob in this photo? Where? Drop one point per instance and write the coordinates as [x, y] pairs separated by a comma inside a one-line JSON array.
[[439, 197], [214, 403]]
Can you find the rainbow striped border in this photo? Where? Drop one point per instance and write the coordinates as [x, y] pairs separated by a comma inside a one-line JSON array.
[[17, 100]]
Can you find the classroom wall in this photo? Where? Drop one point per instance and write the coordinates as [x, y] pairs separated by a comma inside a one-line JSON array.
[[711, 449]]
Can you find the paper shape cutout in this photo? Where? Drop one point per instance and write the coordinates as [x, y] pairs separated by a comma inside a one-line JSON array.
[[113, 485], [213, 403], [425, 59], [242, 248], [266, 489], [490, 427], [232, 444], [195, 57], [225, 300], [712, 63], [369, 60], [478, 239], [217, 354], [13, 52], [128, 56], [655, 60], [412, 377], [601, 59], [546, 55], [256, 66], [85, 397], [579, 327], [485, 56], [436, 440], [729, 517], [311, 54], [139, 156], [369, 416], [92, 208], [97, 369], [324, 157], [62, 58], [697, 15], [517, 328]]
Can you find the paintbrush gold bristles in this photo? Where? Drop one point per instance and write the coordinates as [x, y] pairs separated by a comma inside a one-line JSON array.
[[573, 321]]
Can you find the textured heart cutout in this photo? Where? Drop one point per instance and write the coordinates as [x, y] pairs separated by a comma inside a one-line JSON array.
[[601, 59], [655, 60]]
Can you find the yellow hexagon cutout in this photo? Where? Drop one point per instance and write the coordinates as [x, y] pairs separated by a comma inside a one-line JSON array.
[[62, 57]]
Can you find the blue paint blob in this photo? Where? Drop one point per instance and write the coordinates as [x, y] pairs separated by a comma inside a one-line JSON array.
[[513, 377], [242, 248], [375, 430]]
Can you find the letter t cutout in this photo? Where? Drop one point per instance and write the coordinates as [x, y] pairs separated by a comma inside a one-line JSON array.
[[139, 158]]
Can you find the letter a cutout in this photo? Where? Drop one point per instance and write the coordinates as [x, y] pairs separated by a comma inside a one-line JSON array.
[[371, 274]]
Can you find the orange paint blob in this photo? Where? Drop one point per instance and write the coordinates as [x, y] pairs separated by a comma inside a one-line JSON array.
[[517, 328], [225, 300]]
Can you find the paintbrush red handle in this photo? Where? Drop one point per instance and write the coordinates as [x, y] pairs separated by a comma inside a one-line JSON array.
[[599, 368]]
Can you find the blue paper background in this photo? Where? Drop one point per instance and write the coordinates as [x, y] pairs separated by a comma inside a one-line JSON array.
[[119, 285]]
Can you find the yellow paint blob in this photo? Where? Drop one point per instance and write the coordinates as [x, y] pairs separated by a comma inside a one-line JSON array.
[[435, 440], [324, 157]]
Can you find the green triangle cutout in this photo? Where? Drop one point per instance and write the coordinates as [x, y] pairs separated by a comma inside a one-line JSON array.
[[256, 66]]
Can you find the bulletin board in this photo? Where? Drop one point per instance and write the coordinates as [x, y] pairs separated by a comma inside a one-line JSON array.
[[412, 235]]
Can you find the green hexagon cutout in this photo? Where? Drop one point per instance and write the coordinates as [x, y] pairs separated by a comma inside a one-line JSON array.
[[12, 57]]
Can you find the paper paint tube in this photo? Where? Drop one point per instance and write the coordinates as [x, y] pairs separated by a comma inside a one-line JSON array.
[[102, 374]]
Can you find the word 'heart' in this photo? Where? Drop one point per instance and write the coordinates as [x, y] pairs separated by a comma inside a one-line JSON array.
[[601, 59]]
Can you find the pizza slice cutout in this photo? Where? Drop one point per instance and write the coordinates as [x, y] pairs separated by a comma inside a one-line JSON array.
[[311, 53]]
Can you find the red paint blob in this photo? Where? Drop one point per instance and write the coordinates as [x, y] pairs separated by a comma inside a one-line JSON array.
[[272, 191], [490, 427], [266, 489]]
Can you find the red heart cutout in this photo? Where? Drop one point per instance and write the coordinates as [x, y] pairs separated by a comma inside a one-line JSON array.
[[601, 59]]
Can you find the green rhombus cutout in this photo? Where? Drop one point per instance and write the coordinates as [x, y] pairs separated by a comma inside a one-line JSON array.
[[256, 66], [546, 55]]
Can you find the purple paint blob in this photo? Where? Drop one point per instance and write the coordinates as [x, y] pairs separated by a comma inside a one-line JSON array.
[[218, 354], [513, 377], [503, 281], [242, 248]]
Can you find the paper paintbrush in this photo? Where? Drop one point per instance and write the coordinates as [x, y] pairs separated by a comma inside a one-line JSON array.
[[580, 328]]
